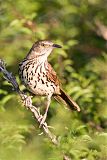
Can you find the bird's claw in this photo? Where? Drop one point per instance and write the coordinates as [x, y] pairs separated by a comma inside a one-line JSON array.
[[27, 101], [42, 120]]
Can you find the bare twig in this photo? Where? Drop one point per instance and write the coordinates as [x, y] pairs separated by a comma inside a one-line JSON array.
[[101, 29], [27, 101], [65, 157]]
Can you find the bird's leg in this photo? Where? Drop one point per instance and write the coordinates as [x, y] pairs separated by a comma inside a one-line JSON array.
[[46, 111]]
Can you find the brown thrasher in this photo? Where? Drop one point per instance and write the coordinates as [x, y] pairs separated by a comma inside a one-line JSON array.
[[40, 78]]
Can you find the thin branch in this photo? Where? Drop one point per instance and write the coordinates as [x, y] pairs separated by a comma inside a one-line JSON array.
[[27, 101], [65, 157]]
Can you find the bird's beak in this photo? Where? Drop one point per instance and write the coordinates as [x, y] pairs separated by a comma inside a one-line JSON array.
[[56, 46]]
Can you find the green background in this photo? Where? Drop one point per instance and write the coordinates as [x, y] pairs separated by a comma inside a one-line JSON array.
[[80, 26]]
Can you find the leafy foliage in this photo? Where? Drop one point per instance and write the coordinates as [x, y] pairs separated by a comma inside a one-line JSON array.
[[80, 27]]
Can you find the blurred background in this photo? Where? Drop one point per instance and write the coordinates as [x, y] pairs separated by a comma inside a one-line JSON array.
[[81, 28]]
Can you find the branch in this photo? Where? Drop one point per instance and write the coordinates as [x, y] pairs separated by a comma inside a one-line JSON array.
[[27, 101], [101, 29], [65, 157]]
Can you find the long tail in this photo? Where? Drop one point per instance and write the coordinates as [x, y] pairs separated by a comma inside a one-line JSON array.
[[63, 97]]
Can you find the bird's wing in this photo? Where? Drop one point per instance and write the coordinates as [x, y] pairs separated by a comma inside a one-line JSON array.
[[51, 75]]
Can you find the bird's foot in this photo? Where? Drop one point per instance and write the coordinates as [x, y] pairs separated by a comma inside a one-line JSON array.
[[42, 119], [27, 101]]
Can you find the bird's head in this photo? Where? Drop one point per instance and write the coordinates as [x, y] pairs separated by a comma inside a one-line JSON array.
[[42, 49]]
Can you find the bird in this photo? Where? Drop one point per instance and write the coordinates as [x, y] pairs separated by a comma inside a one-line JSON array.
[[39, 77]]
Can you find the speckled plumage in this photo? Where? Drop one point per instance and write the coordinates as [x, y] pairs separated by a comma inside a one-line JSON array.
[[40, 78]]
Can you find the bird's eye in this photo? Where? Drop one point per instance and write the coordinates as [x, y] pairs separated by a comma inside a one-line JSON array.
[[43, 44]]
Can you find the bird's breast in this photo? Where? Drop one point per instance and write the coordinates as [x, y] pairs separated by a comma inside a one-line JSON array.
[[34, 77]]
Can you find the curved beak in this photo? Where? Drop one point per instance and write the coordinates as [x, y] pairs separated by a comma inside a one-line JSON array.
[[56, 46]]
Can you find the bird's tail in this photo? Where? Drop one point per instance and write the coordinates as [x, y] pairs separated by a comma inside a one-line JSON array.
[[64, 98]]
